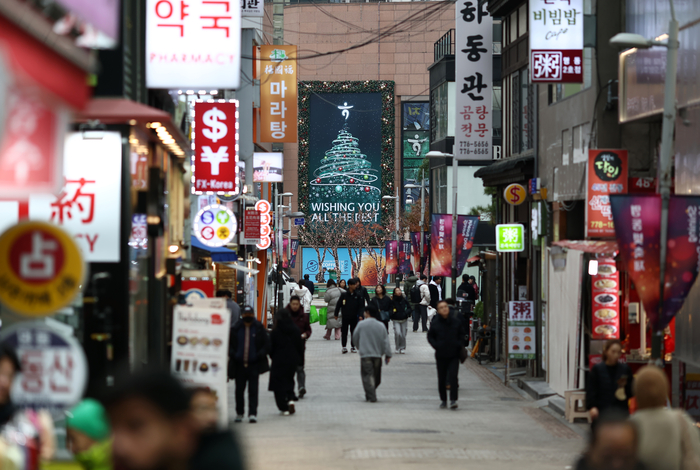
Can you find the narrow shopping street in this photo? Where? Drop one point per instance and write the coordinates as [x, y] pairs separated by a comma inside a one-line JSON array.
[[335, 428]]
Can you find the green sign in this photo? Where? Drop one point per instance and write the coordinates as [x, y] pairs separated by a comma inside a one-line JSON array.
[[510, 237]]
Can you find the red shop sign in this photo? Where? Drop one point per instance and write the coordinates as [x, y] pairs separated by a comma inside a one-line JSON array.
[[252, 224], [216, 148], [607, 175]]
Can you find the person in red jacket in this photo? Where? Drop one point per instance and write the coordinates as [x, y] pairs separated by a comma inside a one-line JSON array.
[[301, 320]]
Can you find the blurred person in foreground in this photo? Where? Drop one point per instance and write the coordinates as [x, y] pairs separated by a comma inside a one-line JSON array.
[[300, 317], [287, 353], [668, 439], [204, 410], [609, 382], [372, 340], [613, 444], [331, 297], [153, 428], [231, 304], [446, 336], [87, 435]]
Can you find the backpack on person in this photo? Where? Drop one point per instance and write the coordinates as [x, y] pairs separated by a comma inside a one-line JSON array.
[[415, 294]]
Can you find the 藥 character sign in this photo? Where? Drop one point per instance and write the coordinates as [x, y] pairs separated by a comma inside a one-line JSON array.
[[41, 269], [215, 225], [510, 237], [215, 157]]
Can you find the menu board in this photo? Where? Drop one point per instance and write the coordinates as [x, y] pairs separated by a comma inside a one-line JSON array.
[[522, 338], [605, 288], [200, 350]]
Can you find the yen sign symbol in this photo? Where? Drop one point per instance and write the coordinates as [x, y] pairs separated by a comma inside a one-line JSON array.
[[207, 217], [222, 217]]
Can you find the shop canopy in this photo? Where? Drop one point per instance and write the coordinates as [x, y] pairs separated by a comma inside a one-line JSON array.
[[600, 247], [218, 254]]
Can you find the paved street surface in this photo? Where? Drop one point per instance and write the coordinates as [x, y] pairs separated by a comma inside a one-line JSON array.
[[335, 428]]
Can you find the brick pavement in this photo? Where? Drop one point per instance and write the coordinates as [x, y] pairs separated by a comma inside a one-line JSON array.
[[335, 428]]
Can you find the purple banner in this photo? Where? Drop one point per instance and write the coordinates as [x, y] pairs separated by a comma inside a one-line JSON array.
[[441, 245], [405, 264], [295, 248], [392, 259], [466, 229]]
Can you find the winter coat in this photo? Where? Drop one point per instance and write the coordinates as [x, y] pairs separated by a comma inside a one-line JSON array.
[[466, 291], [309, 285], [365, 295], [407, 286], [331, 298], [401, 308], [217, 450], [237, 340], [305, 295], [434, 294], [301, 320], [352, 306], [424, 293], [603, 383], [383, 305], [446, 336], [287, 353], [371, 339]]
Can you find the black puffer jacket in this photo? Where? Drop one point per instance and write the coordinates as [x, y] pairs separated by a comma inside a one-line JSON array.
[[401, 308], [446, 336]]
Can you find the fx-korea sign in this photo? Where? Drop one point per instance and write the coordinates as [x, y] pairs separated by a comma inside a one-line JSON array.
[[215, 160]]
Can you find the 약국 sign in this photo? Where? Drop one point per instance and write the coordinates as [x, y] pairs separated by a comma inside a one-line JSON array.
[[194, 44], [278, 94], [556, 41], [216, 147], [473, 76], [607, 174]]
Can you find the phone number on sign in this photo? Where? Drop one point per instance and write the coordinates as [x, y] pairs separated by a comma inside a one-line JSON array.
[[600, 224]]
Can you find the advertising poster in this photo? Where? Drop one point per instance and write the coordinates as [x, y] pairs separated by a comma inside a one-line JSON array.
[[345, 147], [521, 330], [415, 250], [367, 272], [392, 256], [466, 230], [605, 287], [405, 263], [607, 175], [200, 351], [295, 249], [441, 245], [267, 167]]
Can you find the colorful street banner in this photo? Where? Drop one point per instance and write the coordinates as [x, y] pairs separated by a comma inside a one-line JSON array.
[[605, 287], [466, 229], [415, 249], [405, 264], [607, 175], [637, 226], [441, 245], [392, 257], [295, 248]]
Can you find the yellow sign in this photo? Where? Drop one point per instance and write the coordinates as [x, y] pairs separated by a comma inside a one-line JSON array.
[[515, 194], [41, 269]]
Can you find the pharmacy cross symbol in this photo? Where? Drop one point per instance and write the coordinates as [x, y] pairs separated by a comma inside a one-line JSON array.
[[345, 108]]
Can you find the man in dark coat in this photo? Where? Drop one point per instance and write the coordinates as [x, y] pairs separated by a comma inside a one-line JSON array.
[[363, 292], [309, 284], [435, 291], [446, 336], [247, 354], [287, 353], [466, 289], [352, 305], [301, 320]]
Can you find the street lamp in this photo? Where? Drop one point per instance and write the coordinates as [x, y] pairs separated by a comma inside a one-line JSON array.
[[422, 218], [435, 154], [626, 40]]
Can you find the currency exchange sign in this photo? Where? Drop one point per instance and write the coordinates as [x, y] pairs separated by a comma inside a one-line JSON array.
[[215, 161]]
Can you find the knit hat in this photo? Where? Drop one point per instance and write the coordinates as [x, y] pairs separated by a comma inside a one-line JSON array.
[[89, 417]]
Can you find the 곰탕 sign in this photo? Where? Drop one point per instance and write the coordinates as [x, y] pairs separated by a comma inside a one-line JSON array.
[[607, 175]]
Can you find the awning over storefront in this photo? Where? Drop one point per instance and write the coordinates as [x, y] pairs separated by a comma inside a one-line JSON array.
[[507, 171], [590, 246], [218, 254]]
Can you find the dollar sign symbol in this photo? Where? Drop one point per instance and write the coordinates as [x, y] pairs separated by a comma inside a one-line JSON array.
[[213, 118], [516, 196]]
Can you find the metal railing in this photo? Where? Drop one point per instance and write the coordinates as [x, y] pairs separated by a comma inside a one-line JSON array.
[[444, 46]]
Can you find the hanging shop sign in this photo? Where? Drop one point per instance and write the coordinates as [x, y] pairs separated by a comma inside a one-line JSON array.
[[194, 45], [474, 77], [556, 41], [441, 243], [251, 227], [41, 268], [252, 8], [392, 256], [521, 330], [278, 94], [54, 367], [510, 237], [101, 14], [215, 225], [466, 230], [637, 227], [200, 351], [267, 167], [264, 207], [605, 288], [515, 194], [286, 263], [607, 175], [215, 158]]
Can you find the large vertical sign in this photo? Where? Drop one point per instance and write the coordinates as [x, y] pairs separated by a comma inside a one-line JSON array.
[[607, 174], [605, 287], [466, 230], [521, 330], [556, 41], [216, 147], [194, 44], [278, 94], [416, 144], [473, 77], [405, 265], [392, 256], [441, 245], [345, 148]]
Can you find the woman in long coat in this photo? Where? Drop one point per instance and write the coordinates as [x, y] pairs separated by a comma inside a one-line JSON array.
[[287, 353], [332, 295]]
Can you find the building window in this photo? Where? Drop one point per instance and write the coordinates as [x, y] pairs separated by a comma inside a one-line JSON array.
[[442, 112], [497, 112], [560, 91], [440, 189], [521, 117], [522, 20]]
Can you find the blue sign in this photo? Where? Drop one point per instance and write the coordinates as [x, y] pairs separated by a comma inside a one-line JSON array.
[[311, 263], [299, 221], [207, 217]]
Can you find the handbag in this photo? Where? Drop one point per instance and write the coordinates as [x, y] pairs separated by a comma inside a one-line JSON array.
[[386, 315], [689, 459], [463, 354]]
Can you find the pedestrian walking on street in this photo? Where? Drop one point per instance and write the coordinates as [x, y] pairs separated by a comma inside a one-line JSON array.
[[231, 304], [399, 316], [435, 287], [421, 313], [203, 409], [342, 284], [609, 382], [248, 352], [331, 298], [613, 445], [87, 435], [372, 340], [301, 320], [363, 292], [408, 284], [304, 295], [446, 336], [287, 354], [309, 284], [351, 305], [466, 289], [382, 303], [668, 439]]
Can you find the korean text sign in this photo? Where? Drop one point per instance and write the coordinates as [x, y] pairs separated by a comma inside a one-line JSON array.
[[216, 147], [556, 41], [607, 174], [441, 245], [193, 44], [510, 237], [392, 262], [278, 94], [521, 330], [606, 302], [473, 77], [252, 8]]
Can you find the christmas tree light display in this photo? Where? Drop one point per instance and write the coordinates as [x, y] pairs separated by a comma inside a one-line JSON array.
[[345, 172]]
